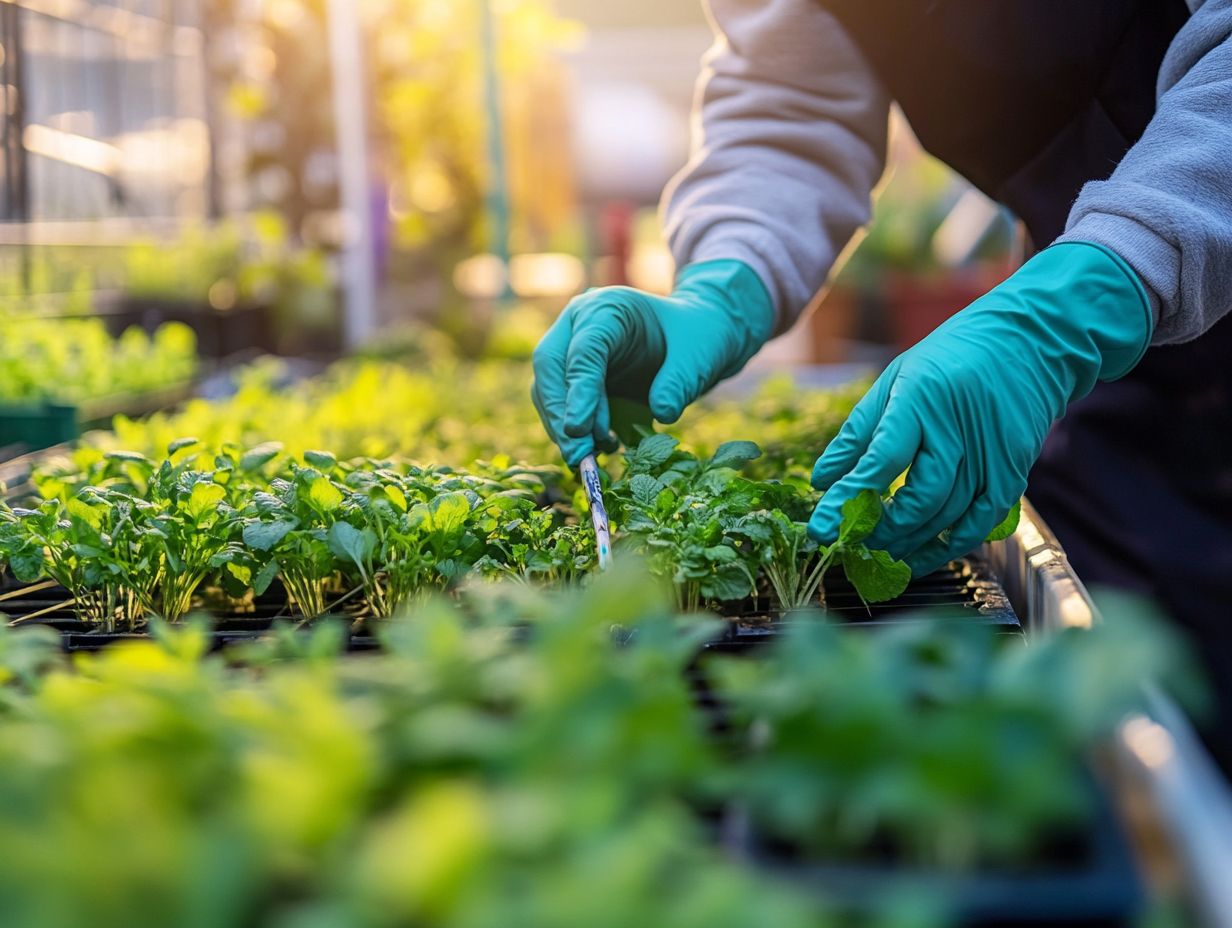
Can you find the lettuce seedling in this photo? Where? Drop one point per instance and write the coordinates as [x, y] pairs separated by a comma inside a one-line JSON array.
[[75, 544], [122, 555], [683, 514], [286, 533], [191, 533], [794, 564], [713, 532]]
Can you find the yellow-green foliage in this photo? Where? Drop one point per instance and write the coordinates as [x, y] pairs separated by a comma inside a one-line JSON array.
[[446, 411], [454, 781], [76, 360]]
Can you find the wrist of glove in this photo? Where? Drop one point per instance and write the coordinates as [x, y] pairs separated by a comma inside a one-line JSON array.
[[664, 352], [966, 411]]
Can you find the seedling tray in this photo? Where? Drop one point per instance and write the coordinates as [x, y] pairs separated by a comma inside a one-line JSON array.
[[964, 591], [1086, 879], [1095, 884], [231, 627], [220, 333]]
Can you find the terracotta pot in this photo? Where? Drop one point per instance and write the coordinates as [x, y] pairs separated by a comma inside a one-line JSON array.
[[917, 304], [833, 326]]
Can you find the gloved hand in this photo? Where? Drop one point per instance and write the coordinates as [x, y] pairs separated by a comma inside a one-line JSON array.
[[969, 407], [660, 351]]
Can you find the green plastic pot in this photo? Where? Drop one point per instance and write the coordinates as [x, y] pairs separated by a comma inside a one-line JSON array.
[[37, 426]]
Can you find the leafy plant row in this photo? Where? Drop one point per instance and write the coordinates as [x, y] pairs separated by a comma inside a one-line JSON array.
[[131, 538], [713, 532], [448, 411]]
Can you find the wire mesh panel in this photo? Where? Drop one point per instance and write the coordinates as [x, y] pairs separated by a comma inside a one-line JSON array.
[[105, 138], [112, 115]]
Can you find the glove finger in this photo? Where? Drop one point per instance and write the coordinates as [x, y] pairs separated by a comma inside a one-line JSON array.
[[893, 447], [852, 440], [586, 363], [929, 485], [602, 432], [548, 363], [972, 528], [961, 495], [571, 449], [682, 379]]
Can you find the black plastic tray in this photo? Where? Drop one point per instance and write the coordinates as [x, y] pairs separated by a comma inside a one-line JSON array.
[[229, 627], [965, 590], [1099, 885], [1089, 881]]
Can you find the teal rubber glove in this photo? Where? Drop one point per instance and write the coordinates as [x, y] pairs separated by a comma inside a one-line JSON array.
[[663, 352], [969, 407]]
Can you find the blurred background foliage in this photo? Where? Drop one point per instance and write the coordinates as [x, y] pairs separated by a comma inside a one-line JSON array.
[[515, 153]]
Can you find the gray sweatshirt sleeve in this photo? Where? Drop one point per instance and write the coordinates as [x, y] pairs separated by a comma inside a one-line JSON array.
[[789, 139], [1167, 208]]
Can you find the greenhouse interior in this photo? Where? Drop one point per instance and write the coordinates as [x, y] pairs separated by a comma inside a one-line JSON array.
[[555, 463]]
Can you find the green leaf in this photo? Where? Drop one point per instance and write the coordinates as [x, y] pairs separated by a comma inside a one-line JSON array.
[[322, 460], [241, 572], [181, 443], [450, 569], [727, 583], [645, 489], [396, 496], [721, 554], [78, 509], [756, 529], [665, 502], [265, 576], [861, 514], [27, 564], [346, 541], [876, 576], [204, 498], [734, 454], [448, 513], [131, 457], [264, 535], [1008, 525], [258, 457], [324, 495], [653, 451]]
